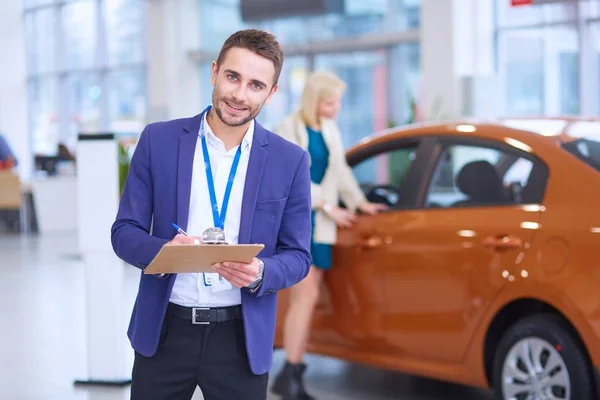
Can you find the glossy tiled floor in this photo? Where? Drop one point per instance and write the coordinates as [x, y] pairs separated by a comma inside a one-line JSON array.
[[43, 339]]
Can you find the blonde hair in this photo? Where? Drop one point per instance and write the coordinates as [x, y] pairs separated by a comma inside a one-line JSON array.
[[319, 85]]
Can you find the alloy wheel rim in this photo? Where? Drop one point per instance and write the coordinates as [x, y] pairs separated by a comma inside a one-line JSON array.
[[535, 370]]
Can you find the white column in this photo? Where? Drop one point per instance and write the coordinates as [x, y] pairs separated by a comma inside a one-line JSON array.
[[14, 122], [97, 198], [457, 58], [174, 84]]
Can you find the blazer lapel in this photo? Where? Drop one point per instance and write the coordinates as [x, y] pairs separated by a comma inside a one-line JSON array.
[[256, 164], [187, 148]]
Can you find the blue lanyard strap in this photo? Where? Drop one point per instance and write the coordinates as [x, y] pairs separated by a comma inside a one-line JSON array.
[[219, 220]]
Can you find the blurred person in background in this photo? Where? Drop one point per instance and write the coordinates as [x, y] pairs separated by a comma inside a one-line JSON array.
[[313, 128], [6, 153]]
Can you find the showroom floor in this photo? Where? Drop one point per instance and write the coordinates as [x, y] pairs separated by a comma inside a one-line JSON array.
[[43, 340]]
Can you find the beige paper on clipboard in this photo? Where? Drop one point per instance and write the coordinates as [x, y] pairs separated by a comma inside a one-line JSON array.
[[181, 258]]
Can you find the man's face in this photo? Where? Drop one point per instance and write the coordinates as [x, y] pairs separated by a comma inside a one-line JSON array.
[[243, 84]]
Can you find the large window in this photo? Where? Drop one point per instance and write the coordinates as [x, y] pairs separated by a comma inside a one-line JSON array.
[[544, 54], [86, 69], [359, 17], [363, 109], [541, 68], [381, 80]]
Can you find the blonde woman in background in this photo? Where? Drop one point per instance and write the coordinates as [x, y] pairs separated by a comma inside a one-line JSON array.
[[313, 128]]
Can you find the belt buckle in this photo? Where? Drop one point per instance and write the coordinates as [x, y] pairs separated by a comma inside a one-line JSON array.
[[194, 316]]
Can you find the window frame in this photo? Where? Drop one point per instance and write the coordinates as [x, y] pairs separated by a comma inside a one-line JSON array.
[[589, 163], [409, 189], [103, 67], [582, 22], [539, 172]]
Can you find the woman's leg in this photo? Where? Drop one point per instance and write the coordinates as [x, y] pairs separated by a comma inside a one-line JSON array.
[[296, 331], [303, 300]]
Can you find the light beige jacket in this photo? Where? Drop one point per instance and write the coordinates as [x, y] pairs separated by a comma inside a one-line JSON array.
[[338, 181]]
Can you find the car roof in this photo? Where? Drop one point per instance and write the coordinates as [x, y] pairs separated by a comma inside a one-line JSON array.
[[530, 131], [566, 129]]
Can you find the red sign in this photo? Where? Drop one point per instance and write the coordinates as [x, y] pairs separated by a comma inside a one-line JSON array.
[[515, 3]]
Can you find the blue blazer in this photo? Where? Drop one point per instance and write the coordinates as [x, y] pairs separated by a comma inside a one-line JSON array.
[[276, 211]]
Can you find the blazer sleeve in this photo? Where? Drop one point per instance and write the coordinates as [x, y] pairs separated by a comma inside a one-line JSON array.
[[287, 130], [348, 186], [130, 235], [292, 258]]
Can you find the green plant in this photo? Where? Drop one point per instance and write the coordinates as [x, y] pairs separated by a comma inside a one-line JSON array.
[[123, 166]]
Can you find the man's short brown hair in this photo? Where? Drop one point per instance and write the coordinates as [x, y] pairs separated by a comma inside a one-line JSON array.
[[259, 42]]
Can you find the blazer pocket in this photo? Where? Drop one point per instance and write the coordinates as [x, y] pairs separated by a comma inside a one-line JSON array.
[[272, 205]]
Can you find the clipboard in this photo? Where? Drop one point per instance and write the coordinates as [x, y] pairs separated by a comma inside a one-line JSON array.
[[198, 258]]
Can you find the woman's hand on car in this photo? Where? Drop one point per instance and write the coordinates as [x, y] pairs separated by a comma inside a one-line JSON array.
[[371, 208], [341, 217]]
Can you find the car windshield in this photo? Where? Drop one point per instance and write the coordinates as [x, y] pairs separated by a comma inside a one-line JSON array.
[[586, 143]]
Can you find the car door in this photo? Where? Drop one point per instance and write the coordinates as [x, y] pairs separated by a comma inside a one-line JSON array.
[[414, 279], [438, 262], [354, 305]]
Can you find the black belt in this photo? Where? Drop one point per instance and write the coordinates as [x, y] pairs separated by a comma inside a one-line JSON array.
[[205, 315]]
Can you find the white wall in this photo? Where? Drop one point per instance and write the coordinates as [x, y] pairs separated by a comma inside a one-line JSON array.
[[14, 123], [456, 45]]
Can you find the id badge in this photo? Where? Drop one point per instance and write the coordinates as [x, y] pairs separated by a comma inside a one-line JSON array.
[[207, 279], [220, 284]]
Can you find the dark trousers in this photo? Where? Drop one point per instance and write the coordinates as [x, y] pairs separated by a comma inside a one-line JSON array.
[[212, 357]]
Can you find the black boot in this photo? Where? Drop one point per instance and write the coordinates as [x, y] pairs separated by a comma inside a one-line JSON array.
[[289, 383]]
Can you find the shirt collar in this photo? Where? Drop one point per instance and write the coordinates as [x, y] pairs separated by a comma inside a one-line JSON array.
[[215, 141]]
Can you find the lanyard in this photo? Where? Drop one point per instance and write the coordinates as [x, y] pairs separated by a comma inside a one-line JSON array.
[[219, 220]]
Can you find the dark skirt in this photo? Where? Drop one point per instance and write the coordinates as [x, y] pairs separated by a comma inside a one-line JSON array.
[[320, 252]]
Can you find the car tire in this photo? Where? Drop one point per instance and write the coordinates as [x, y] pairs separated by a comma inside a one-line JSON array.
[[558, 360]]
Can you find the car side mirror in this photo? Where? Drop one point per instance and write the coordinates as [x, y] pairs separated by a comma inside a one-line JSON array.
[[385, 194]]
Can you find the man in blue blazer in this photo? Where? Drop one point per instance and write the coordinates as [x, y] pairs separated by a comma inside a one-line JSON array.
[[222, 170]]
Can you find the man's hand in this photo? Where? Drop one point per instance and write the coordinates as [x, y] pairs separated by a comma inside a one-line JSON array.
[[238, 274], [182, 239]]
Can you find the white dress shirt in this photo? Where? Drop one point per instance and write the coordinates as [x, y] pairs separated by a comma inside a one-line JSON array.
[[189, 289]]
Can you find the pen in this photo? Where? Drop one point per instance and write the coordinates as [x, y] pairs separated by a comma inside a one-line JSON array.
[[179, 230]]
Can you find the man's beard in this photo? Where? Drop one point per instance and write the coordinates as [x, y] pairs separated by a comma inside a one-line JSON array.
[[252, 111]]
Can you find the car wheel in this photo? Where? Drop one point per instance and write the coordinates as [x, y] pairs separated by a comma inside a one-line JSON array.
[[538, 358]]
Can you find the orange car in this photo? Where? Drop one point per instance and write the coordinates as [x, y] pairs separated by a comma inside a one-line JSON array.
[[486, 269]]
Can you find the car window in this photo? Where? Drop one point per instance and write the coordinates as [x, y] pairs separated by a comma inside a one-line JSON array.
[[381, 176], [586, 150], [469, 175], [520, 172], [586, 145]]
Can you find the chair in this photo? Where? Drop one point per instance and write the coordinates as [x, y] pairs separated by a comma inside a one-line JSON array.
[[480, 181]]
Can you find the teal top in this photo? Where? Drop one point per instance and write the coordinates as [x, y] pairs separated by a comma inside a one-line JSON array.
[[319, 160], [319, 155]]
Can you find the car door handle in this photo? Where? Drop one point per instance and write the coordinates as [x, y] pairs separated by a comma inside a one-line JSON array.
[[371, 242], [503, 242]]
